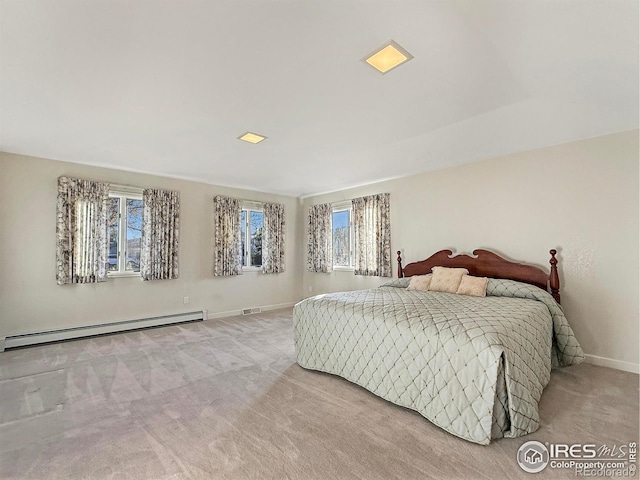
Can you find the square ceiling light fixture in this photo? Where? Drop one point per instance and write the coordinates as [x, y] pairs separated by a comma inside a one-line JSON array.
[[252, 137], [388, 57]]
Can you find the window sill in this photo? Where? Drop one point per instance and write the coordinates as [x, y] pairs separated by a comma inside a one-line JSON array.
[[124, 275], [251, 269], [343, 269]]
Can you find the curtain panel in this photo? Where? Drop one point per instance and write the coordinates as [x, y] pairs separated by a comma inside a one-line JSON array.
[[160, 234], [81, 231], [227, 256], [320, 240], [372, 235], [273, 238]]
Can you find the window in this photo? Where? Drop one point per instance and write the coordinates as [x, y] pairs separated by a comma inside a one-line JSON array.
[[251, 226], [342, 237], [125, 233]]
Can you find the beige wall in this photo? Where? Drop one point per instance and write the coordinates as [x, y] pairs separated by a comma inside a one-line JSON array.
[[581, 198], [30, 299]]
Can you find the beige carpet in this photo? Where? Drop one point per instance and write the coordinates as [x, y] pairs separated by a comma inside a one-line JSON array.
[[224, 399]]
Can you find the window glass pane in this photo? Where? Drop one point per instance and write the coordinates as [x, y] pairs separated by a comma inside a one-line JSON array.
[[134, 235], [341, 242], [256, 238], [113, 215], [243, 235]]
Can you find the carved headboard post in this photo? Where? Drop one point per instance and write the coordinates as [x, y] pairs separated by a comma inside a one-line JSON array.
[[554, 280], [400, 274]]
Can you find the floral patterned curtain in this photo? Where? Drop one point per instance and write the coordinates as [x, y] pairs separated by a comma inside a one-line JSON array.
[[81, 231], [227, 256], [273, 238], [372, 234], [160, 234], [320, 243]]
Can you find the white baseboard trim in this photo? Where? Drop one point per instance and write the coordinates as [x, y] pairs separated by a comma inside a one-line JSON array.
[[70, 333], [612, 363], [234, 313]]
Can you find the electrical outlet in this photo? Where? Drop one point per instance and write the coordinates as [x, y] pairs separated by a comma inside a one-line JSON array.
[[310, 289], [185, 300]]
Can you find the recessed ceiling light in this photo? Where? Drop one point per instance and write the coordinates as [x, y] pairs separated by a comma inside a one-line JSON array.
[[252, 137], [388, 57]]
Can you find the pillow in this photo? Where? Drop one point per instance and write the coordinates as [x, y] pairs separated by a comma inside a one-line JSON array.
[[475, 286], [446, 279], [420, 282]]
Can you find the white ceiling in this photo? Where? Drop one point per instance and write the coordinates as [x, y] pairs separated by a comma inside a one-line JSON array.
[[167, 86]]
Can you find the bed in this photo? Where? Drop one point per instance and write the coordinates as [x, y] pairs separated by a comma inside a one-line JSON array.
[[474, 366]]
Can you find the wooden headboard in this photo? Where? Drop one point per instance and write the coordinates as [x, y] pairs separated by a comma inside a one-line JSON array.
[[487, 264]]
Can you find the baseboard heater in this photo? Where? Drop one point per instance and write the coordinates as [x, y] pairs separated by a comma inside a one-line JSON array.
[[91, 330]]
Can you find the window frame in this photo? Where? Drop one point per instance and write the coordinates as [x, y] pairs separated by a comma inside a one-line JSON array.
[[123, 193], [342, 207], [249, 207]]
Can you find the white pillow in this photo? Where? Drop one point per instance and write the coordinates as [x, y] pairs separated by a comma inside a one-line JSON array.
[[446, 279], [475, 286], [420, 282]]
